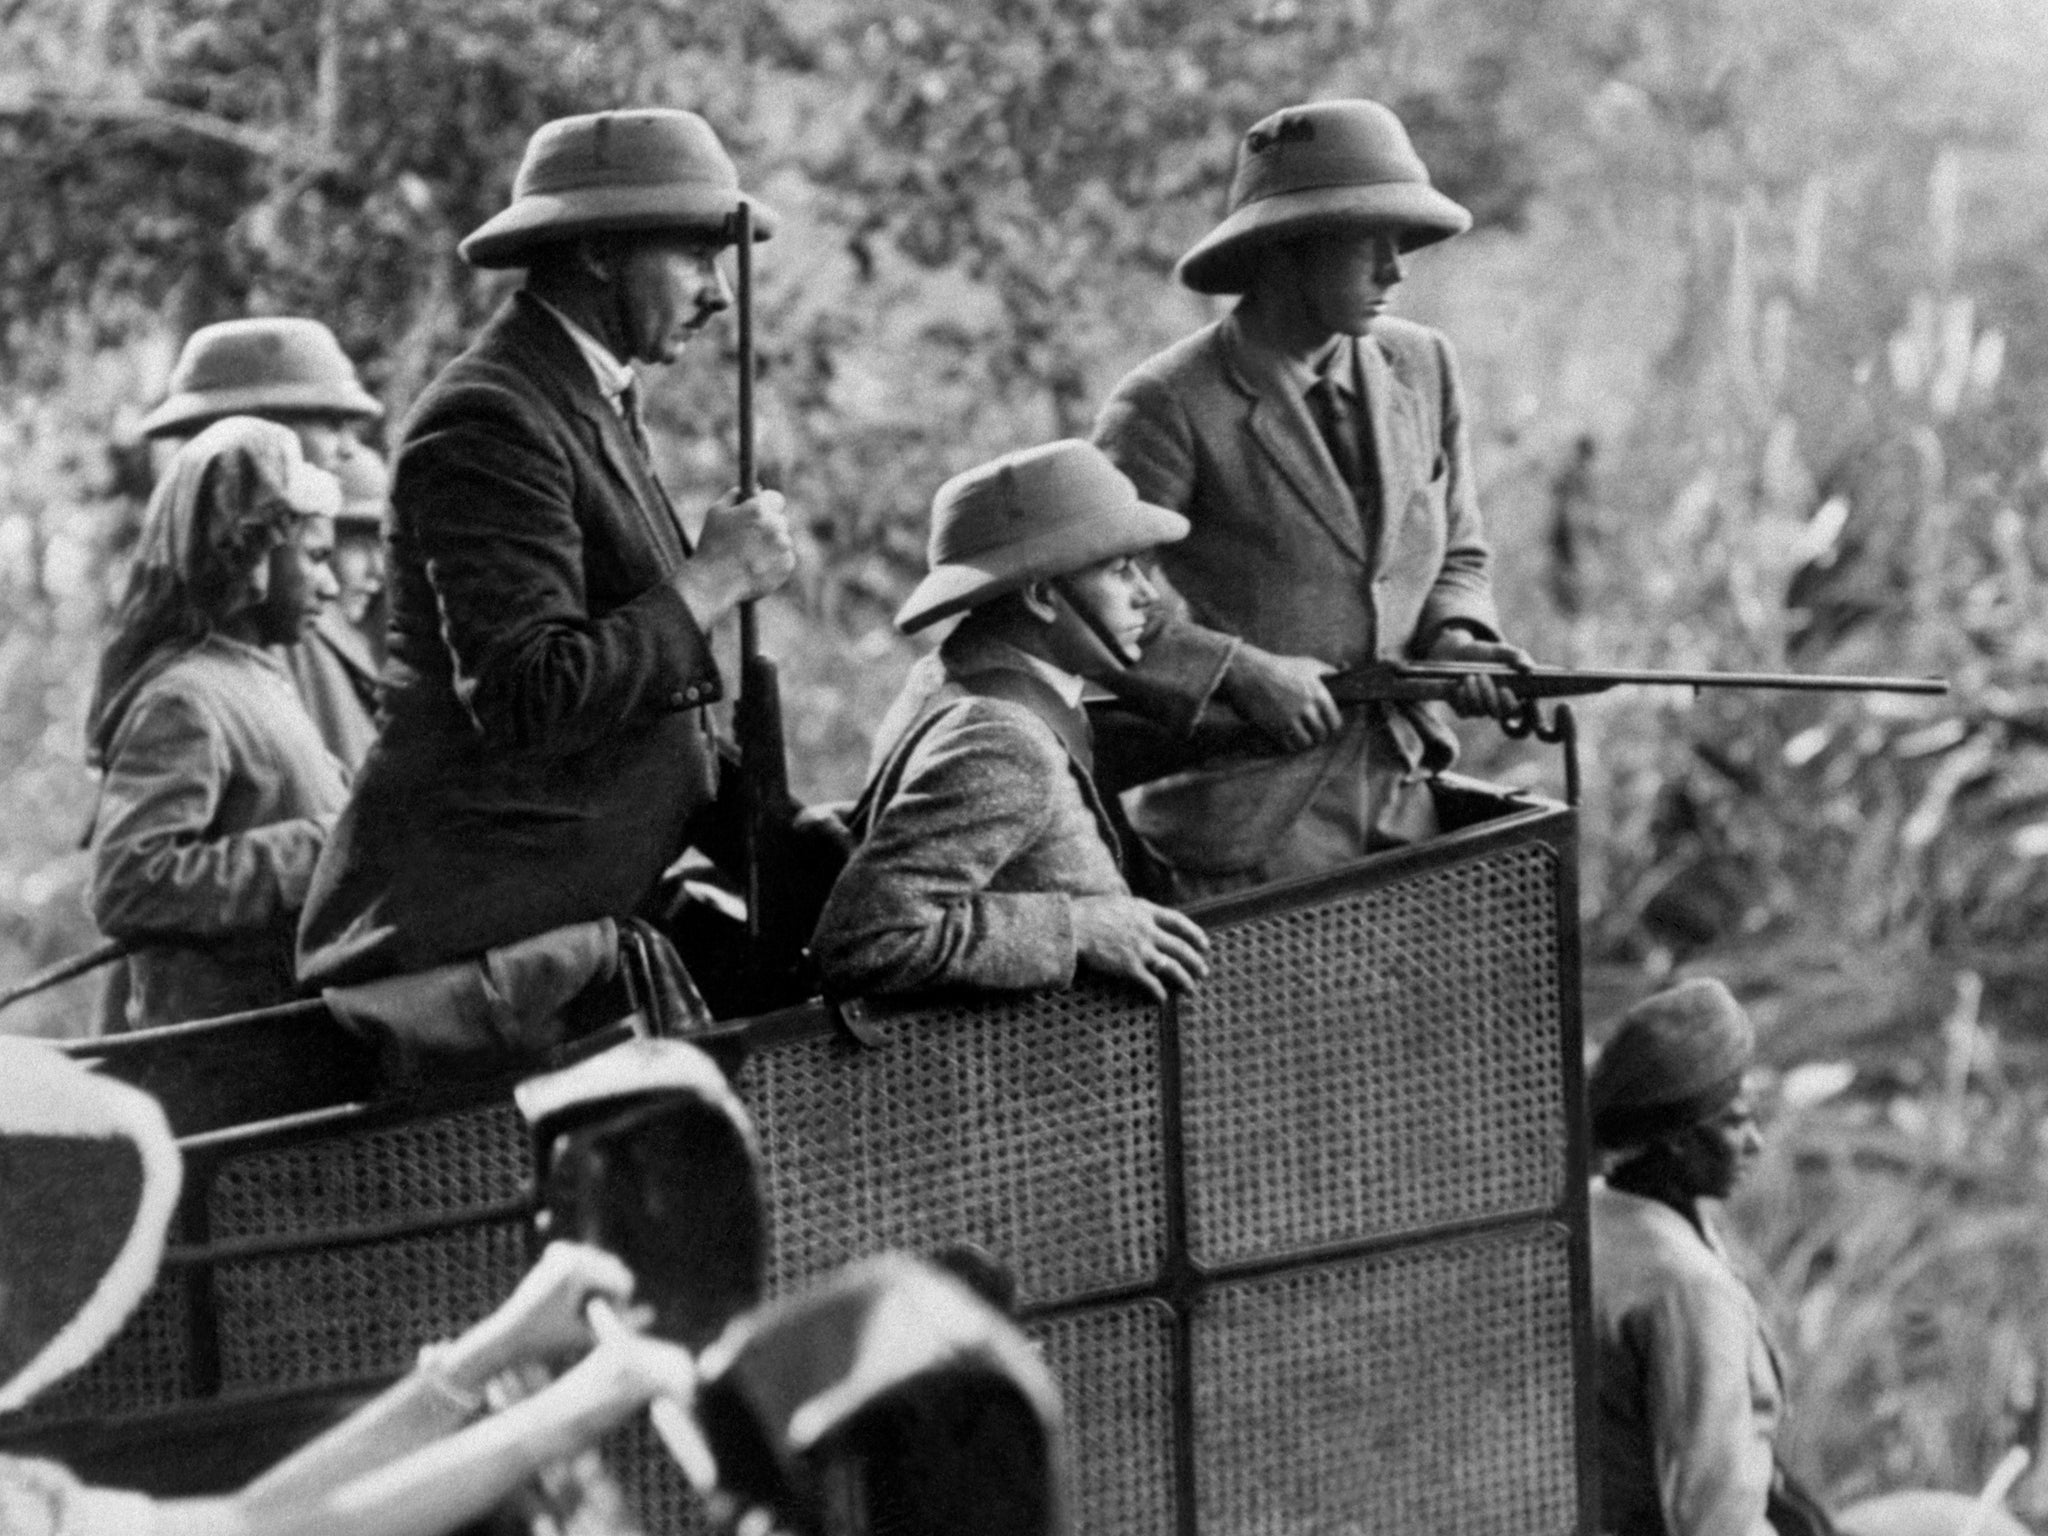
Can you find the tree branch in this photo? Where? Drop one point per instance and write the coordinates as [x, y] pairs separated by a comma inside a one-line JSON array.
[[160, 117]]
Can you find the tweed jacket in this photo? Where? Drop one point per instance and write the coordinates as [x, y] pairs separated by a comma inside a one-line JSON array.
[[982, 827], [218, 796], [1688, 1390], [337, 679], [1278, 555], [543, 748]]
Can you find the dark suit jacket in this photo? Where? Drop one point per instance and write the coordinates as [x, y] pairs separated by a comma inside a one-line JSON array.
[[543, 747], [1278, 556]]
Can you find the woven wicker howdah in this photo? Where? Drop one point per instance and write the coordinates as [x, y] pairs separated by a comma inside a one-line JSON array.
[[1306, 1253]]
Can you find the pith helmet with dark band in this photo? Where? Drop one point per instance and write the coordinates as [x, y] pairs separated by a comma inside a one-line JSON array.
[[1317, 169], [646, 170], [1035, 513], [271, 366]]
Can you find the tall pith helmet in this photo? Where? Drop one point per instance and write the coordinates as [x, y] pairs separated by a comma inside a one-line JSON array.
[[652, 168], [1316, 169], [1038, 512], [260, 367]]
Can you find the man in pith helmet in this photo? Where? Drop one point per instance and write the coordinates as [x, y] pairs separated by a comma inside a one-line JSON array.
[[292, 371], [544, 749], [987, 858], [1318, 447]]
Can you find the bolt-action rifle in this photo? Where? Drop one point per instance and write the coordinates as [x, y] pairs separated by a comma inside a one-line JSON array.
[[1381, 682], [1132, 748]]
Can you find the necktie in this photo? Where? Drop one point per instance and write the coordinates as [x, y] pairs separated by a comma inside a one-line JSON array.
[[1336, 419], [629, 409]]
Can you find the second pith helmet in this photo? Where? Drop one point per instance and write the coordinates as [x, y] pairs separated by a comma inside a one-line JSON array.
[[653, 168], [1038, 512], [269, 366], [1327, 166]]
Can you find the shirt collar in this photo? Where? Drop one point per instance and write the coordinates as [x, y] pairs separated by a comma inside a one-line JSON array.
[[966, 655], [1340, 365], [613, 377]]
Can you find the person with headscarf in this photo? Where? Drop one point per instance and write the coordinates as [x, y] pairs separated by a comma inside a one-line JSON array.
[[92, 1180], [217, 792], [292, 370], [1689, 1392]]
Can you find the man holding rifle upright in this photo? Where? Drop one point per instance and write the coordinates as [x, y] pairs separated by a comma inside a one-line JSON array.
[[1319, 449], [545, 755]]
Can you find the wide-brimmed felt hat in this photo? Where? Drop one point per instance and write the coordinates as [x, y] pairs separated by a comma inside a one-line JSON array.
[[1317, 169], [938, 1404], [1677, 1059], [1038, 512], [643, 170], [267, 366], [89, 1177]]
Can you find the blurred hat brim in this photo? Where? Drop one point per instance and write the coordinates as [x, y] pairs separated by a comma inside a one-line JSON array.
[[191, 410]]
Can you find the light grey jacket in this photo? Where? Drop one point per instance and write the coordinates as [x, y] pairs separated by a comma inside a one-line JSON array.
[[983, 829], [1689, 1395], [1216, 428], [218, 797]]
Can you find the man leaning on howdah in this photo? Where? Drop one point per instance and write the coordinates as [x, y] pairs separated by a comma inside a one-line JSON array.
[[545, 753]]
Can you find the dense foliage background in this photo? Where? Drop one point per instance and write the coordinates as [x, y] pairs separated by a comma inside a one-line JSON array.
[[1755, 323]]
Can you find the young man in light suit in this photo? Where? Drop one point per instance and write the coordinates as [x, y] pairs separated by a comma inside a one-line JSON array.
[[1319, 448]]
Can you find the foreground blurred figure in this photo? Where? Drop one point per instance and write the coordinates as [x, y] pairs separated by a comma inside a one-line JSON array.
[[1689, 1390], [218, 792], [545, 756], [93, 1178], [987, 858]]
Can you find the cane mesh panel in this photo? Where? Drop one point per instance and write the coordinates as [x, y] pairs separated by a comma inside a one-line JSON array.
[[1115, 1370], [146, 1365], [443, 1165], [1379, 1064], [1429, 1389], [337, 1314], [1030, 1127]]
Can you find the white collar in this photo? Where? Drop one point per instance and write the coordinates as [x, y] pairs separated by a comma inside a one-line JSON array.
[[613, 377]]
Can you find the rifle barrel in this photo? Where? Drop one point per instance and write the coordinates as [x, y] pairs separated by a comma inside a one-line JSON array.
[[1563, 681]]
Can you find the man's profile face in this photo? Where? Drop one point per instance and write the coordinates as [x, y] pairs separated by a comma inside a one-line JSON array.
[[669, 287], [1119, 595], [358, 565], [1345, 278], [1718, 1152]]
